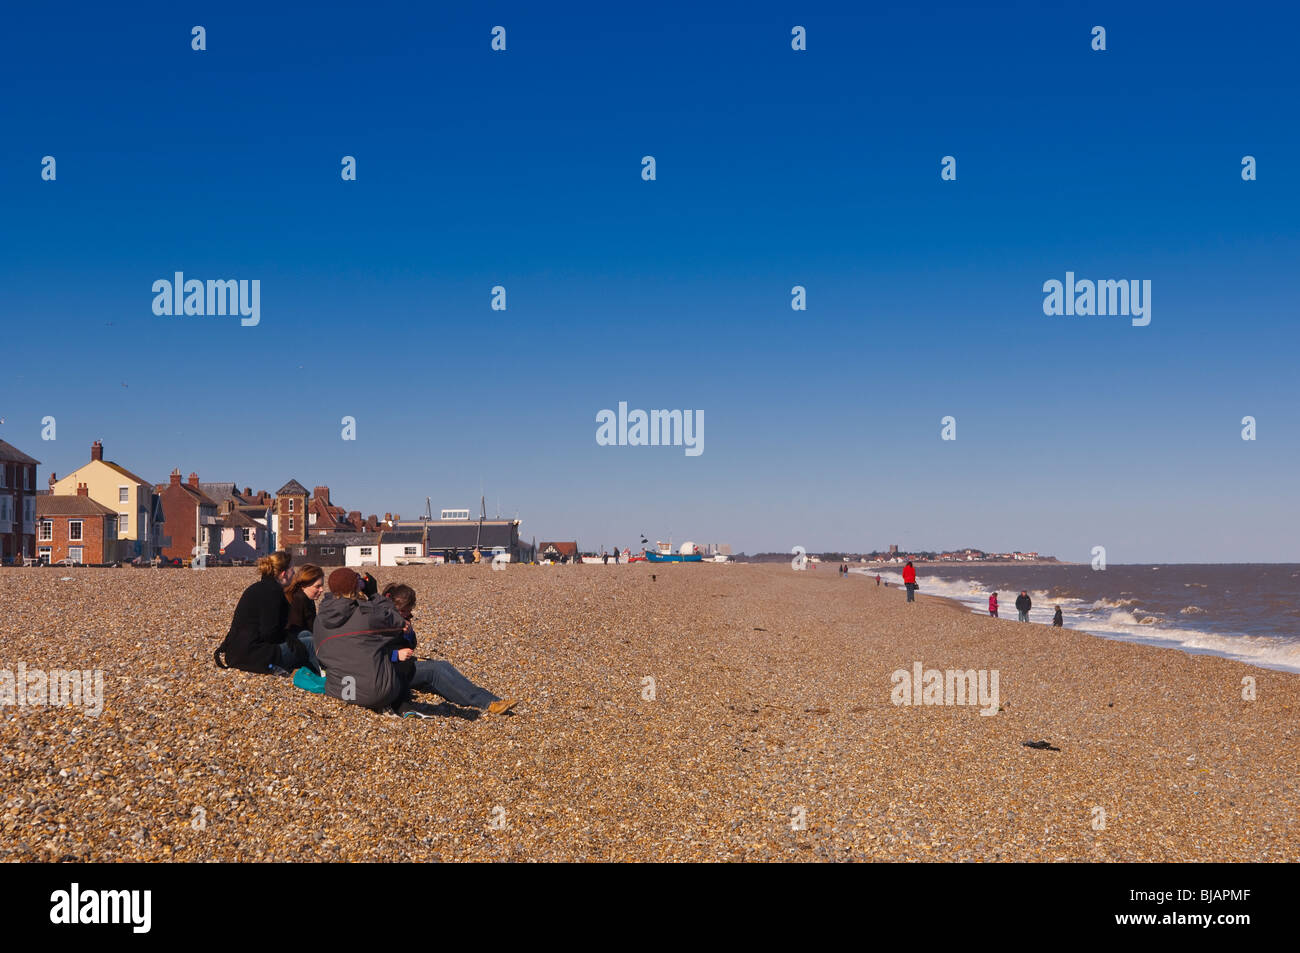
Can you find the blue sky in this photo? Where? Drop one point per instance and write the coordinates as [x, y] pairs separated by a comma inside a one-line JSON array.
[[775, 168]]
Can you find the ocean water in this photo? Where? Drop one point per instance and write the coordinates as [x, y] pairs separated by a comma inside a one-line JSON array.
[[1248, 612]]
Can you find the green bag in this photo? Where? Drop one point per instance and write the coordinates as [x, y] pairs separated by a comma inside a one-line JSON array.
[[309, 681]]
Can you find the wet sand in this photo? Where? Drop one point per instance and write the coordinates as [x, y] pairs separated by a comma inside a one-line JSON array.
[[771, 734]]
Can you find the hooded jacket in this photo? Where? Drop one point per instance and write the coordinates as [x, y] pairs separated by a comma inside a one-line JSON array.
[[353, 640], [1023, 603]]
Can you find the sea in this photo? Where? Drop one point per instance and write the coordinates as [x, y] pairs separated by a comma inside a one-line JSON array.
[[1248, 612]]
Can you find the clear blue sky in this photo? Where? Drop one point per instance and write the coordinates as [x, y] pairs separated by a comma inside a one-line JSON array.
[[775, 168]]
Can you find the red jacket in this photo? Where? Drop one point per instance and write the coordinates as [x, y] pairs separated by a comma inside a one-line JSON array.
[[993, 603], [909, 575]]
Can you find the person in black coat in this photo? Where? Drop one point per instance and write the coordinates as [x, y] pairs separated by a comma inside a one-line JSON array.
[[1057, 620], [259, 638], [1023, 605]]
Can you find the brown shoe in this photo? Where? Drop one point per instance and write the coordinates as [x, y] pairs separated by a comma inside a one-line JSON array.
[[501, 706]]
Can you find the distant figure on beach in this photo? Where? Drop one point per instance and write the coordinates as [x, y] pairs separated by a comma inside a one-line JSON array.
[[877, 580], [1023, 605], [307, 585], [909, 580], [259, 640], [436, 677], [1057, 620], [604, 557], [993, 605]]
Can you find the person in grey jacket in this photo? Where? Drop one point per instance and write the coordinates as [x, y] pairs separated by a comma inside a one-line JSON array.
[[352, 637]]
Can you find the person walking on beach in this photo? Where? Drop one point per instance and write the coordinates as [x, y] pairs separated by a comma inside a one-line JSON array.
[[1057, 620], [433, 676], [877, 580], [1023, 605], [259, 640], [909, 580], [993, 605]]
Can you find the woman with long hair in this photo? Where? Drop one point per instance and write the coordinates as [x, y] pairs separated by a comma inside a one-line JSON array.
[[259, 640], [307, 585]]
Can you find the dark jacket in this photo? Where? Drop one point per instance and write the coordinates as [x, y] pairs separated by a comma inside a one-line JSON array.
[[302, 613], [259, 629], [1023, 604], [1057, 619], [353, 640]]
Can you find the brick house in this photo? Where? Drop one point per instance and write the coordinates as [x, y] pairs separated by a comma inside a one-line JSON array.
[[191, 516], [77, 528], [17, 503], [139, 512], [289, 518]]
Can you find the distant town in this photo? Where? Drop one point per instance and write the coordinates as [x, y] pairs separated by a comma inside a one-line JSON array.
[[897, 557], [103, 514]]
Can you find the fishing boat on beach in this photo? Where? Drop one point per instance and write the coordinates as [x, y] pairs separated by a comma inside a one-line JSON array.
[[663, 553]]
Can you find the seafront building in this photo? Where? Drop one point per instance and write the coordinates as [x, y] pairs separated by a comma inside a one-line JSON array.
[[140, 519], [17, 504], [77, 529], [193, 526]]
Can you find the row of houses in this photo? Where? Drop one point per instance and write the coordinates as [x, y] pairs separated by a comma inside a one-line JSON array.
[[103, 513]]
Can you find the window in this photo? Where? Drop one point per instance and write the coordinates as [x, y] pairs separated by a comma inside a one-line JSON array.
[[327, 550], [43, 554], [410, 551], [74, 529], [248, 535], [124, 494], [4, 474], [31, 477], [124, 523], [367, 550], [4, 509], [47, 531], [291, 505], [74, 553], [291, 524], [29, 509]]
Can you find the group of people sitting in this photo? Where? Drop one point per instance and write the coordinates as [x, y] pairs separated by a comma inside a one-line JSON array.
[[362, 640]]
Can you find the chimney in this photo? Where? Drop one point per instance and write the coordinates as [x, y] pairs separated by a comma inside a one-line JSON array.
[[53, 480], [194, 480], [176, 477], [82, 490], [97, 451], [322, 493], [248, 492], [388, 517]]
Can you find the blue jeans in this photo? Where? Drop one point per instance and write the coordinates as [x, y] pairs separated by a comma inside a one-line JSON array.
[[286, 659], [911, 592], [1024, 616], [442, 678]]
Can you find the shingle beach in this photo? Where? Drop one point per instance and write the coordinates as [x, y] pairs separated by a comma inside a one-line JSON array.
[[767, 733]]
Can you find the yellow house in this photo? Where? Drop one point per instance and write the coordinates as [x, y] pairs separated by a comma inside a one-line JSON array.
[[132, 498]]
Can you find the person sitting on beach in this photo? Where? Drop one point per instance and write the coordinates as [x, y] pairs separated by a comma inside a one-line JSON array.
[[1057, 620], [909, 580], [352, 636], [259, 640], [432, 676], [1023, 605], [993, 605], [307, 585]]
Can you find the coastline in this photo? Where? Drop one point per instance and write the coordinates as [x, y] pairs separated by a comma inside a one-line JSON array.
[[772, 696]]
